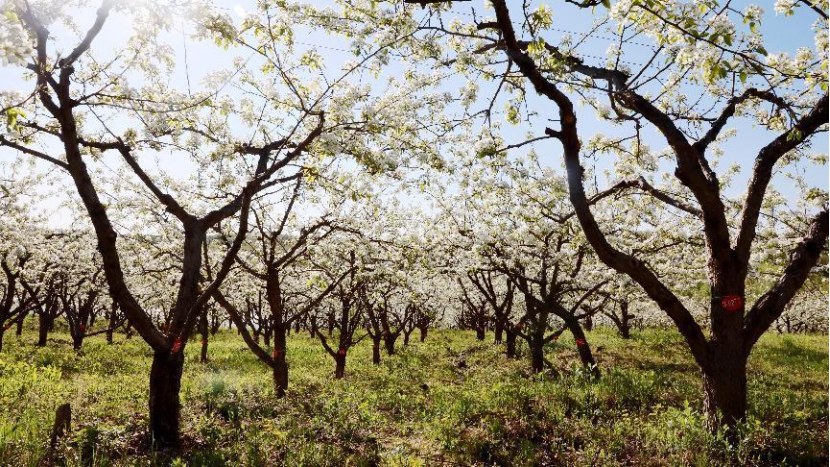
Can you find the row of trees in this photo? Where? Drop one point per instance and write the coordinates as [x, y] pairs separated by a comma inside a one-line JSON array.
[[285, 190]]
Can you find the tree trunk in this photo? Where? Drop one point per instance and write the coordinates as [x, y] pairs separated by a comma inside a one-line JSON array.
[[537, 355], [582, 347], [165, 383], [724, 393], [406, 337], [78, 341], [203, 353], [498, 331], [624, 322], [280, 363], [389, 343], [480, 334], [424, 331], [511, 344], [43, 330], [376, 351], [20, 321], [339, 366], [625, 330]]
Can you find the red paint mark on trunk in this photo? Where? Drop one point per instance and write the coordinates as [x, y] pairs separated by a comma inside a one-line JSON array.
[[732, 302], [177, 345]]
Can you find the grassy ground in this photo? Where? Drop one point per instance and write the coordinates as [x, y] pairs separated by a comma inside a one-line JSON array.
[[418, 407]]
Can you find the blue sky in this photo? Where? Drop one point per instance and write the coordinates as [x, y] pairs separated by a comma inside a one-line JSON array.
[[782, 34]]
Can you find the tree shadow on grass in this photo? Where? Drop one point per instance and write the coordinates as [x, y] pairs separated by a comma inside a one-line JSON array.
[[787, 352]]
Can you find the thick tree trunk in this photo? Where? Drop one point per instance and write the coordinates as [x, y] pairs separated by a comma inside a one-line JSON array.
[[583, 348], [625, 330], [44, 325], [406, 337], [424, 331], [389, 343], [376, 350], [511, 344], [499, 332], [20, 321], [165, 383], [280, 371], [280, 362], [537, 355], [480, 334], [78, 340], [339, 366], [624, 322], [110, 331], [724, 393], [203, 352]]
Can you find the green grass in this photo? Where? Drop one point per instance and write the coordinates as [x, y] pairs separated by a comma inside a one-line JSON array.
[[416, 408]]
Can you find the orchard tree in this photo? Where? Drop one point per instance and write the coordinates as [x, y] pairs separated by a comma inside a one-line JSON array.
[[712, 46], [524, 230], [276, 258], [345, 306], [124, 112], [20, 239], [500, 302], [624, 298]]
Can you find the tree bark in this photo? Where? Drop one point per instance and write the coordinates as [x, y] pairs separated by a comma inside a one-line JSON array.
[[537, 356], [376, 350], [44, 325], [165, 383], [499, 332], [424, 331], [20, 321], [724, 391], [280, 363], [511, 344], [339, 366], [582, 347], [389, 343], [78, 340], [480, 333]]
